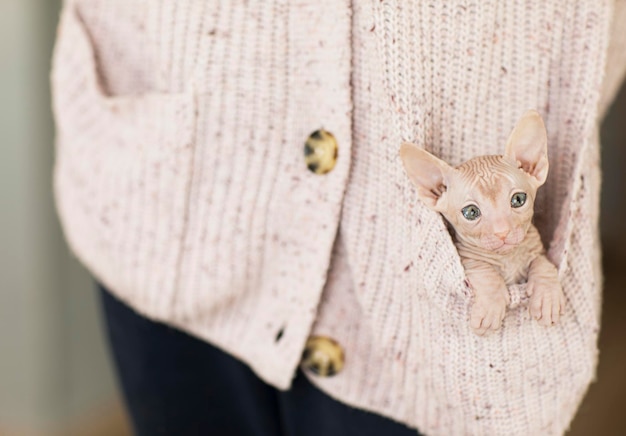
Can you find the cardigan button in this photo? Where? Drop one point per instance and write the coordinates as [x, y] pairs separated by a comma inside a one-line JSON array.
[[322, 356], [320, 151]]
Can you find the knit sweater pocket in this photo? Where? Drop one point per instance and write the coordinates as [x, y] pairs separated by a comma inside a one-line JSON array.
[[122, 170]]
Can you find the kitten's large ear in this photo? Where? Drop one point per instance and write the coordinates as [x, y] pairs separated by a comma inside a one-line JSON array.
[[428, 174], [528, 146]]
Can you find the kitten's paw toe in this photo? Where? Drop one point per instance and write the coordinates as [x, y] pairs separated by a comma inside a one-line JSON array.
[[534, 307], [555, 314], [476, 322], [486, 316], [547, 305]]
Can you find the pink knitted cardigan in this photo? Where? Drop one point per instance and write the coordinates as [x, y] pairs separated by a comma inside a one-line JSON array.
[[181, 184]]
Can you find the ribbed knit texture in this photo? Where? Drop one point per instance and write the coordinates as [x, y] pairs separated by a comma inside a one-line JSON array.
[[455, 77], [181, 184], [212, 122]]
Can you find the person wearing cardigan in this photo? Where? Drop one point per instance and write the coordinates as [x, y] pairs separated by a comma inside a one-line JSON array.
[[230, 170]]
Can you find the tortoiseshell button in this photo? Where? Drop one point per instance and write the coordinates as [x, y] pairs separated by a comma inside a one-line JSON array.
[[320, 151], [322, 356]]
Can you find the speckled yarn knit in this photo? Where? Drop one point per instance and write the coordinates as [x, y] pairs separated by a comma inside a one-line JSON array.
[[181, 184]]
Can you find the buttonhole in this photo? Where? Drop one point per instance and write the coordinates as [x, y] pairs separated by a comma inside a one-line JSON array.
[[279, 335]]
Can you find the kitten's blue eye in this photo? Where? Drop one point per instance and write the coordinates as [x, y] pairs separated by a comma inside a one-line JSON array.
[[518, 199], [470, 212]]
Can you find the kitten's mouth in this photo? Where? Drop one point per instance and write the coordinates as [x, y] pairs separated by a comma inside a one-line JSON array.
[[504, 247], [499, 246]]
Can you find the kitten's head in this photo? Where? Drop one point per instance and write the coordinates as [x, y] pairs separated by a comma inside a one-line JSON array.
[[488, 199]]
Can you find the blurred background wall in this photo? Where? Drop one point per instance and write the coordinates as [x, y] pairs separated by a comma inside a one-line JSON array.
[[55, 375]]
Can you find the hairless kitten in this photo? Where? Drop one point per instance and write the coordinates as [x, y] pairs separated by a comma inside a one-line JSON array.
[[488, 200]]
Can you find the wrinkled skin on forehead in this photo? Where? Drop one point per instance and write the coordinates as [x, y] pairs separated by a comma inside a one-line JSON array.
[[489, 182]]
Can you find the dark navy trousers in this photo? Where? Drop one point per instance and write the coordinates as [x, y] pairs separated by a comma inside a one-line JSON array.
[[175, 384]]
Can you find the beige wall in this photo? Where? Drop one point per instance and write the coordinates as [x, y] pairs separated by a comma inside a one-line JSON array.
[[613, 218], [53, 367]]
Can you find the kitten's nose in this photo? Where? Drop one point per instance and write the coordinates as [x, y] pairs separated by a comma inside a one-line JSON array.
[[502, 235]]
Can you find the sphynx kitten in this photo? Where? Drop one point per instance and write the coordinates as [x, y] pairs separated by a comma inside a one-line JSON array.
[[488, 200]]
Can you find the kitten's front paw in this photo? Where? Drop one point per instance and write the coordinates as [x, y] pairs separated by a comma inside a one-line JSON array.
[[547, 302], [487, 312]]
